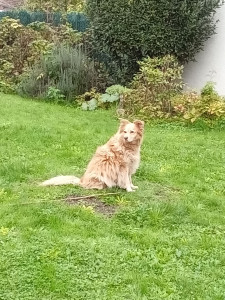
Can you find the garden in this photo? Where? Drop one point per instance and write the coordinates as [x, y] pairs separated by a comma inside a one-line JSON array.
[[67, 73]]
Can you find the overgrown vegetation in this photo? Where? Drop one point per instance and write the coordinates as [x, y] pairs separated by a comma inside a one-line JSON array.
[[153, 87], [93, 100], [55, 5], [21, 47], [59, 64], [207, 105], [66, 69], [127, 31], [39, 57], [77, 21], [157, 93]]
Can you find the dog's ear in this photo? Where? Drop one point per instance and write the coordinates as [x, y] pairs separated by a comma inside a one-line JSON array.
[[140, 124], [123, 123]]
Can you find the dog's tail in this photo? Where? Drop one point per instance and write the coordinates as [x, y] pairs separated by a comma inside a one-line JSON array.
[[61, 180]]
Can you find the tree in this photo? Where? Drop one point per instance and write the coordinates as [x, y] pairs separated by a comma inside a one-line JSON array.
[[125, 31]]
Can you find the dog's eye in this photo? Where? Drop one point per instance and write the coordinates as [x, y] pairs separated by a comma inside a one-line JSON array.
[[132, 131], [124, 131]]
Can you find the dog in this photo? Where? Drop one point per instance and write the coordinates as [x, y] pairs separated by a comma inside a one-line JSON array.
[[114, 163]]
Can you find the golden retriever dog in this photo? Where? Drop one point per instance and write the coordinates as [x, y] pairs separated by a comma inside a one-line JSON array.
[[114, 163]]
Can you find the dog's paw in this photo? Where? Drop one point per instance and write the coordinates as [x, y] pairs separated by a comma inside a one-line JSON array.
[[129, 189], [134, 187]]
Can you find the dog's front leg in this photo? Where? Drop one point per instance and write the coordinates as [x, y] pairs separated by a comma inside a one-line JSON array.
[[128, 184], [134, 187], [124, 181]]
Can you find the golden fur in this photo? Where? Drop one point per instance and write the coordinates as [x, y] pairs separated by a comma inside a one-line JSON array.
[[114, 163]]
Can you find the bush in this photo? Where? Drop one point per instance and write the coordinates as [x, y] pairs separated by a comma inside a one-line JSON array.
[[66, 69], [77, 21], [63, 34], [54, 94], [19, 48], [127, 31], [207, 105], [56, 5], [92, 100], [156, 93], [116, 89], [153, 87]]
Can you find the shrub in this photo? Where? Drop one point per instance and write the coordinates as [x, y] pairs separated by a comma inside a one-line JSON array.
[[116, 89], [66, 69], [56, 5], [207, 105], [6, 87], [19, 48], [127, 31], [54, 94], [157, 93], [92, 100], [63, 34], [153, 87], [77, 21]]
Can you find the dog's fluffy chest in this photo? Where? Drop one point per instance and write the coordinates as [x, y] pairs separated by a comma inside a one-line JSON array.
[[132, 159]]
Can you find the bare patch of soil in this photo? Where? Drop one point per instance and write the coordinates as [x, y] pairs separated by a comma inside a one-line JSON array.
[[95, 203]]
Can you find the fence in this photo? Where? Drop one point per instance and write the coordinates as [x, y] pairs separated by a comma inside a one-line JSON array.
[[78, 21]]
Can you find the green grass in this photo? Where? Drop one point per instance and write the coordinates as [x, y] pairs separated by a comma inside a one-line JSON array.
[[167, 240]]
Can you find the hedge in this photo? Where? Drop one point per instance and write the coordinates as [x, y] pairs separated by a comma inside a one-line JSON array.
[[127, 31]]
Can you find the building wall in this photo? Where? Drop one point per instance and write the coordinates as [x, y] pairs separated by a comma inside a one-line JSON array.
[[210, 63], [10, 4]]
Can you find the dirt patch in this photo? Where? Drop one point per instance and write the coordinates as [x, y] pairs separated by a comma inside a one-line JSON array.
[[97, 205]]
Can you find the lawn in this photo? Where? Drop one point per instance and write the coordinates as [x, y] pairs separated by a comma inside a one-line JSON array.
[[166, 241]]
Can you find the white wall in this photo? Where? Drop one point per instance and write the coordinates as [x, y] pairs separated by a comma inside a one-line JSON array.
[[210, 63]]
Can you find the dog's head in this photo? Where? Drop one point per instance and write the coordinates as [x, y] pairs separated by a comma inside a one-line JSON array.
[[131, 132]]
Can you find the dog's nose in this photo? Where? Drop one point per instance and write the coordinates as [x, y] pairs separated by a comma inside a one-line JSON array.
[[126, 138]]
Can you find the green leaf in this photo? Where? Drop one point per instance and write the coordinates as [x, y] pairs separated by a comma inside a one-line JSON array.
[[109, 98], [92, 104], [115, 89], [84, 106]]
